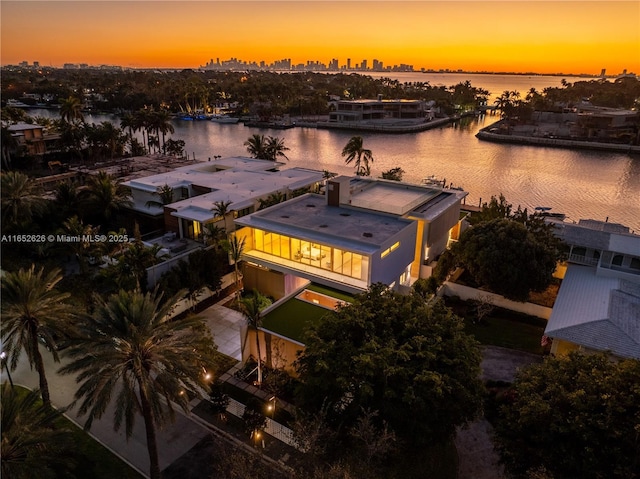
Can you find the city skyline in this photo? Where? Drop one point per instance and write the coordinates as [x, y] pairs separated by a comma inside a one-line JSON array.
[[534, 36]]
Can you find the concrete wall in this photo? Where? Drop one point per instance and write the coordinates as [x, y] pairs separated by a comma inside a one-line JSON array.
[[275, 350], [467, 293], [268, 282], [389, 268]]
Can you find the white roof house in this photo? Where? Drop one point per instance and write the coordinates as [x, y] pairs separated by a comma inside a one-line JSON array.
[[196, 188], [362, 231], [598, 305]]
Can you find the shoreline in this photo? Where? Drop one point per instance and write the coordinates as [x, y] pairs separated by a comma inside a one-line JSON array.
[[485, 135]]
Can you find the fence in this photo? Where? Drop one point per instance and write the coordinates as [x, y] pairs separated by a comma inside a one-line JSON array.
[[272, 428], [467, 293]]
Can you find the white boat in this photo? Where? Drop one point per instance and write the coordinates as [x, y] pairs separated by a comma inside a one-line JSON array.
[[16, 103], [224, 119], [433, 181]]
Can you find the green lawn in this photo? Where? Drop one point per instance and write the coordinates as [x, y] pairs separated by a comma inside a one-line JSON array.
[[292, 318], [502, 327], [331, 292]]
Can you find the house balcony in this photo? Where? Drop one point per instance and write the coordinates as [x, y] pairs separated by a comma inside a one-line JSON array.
[[584, 260]]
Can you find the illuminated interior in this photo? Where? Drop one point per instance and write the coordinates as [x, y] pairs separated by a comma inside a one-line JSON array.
[[329, 258]]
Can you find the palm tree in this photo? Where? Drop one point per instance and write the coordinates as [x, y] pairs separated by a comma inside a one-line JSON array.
[[276, 149], [33, 311], [165, 192], [31, 441], [213, 234], [252, 307], [257, 146], [20, 199], [161, 123], [66, 199], [130, 348], [354, 150], [82, 250], [105, 196], [71, 110], [221, 209], [235, 248]]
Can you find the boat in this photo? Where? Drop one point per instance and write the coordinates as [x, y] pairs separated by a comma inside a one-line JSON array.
[[546, 212], [224, 119], [16, 103], [433, 181]]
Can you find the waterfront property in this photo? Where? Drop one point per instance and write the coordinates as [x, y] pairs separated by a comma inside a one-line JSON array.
[[362, 232], [240, 182], [598, 305], [382, 115], [31, 137]]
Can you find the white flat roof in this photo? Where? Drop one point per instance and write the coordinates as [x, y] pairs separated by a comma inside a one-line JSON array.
[[309, 217]]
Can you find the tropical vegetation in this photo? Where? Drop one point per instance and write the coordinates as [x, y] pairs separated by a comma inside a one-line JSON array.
[[34, 313], [575, 416], [130, 350], [354, 151]]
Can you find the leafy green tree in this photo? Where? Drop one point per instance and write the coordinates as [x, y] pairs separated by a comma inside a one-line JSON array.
[[129, 349], [577, 416], [393, 353], [504, 256], [83, 249], [175, 147], [31, 442], [20, 198], [355, 150], [34, 312]]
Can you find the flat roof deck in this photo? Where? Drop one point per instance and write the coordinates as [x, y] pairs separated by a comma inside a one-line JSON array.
[[309, 217]]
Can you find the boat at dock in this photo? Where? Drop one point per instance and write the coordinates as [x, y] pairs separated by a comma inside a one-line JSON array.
[[224, 119]]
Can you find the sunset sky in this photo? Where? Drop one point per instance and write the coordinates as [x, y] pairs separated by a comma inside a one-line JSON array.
[[540, 36]]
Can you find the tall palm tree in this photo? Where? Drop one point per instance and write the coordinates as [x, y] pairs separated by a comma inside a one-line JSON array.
[[276, 149], [33, 311], [221, 209], [20, 199], [161, 121], [105, 196], [30, 439], [257, 146], [235, 248], [130, 348], [71, 110], [252, 307], [355, 150]]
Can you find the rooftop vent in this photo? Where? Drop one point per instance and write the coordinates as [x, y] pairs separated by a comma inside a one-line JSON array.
[[345, 214], [311, 206], [367, 235], [284, 216], [323, 226]]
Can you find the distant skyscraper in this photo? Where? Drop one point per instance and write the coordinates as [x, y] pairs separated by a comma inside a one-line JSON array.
[[348, 63]]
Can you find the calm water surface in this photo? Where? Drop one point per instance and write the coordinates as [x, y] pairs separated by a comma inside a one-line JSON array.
[[581, 184]]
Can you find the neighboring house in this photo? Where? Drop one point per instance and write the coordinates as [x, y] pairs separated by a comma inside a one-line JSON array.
[[361, 232], [375, 110], [598, 305], [196, 188], [30, 137]]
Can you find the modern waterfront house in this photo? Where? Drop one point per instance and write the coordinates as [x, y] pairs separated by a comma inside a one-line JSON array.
[[361, 232], [312, 252], [241, 182], [598, 305], [379, 109]]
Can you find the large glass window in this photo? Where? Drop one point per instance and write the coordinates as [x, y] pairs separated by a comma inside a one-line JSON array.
[[312, 254]]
